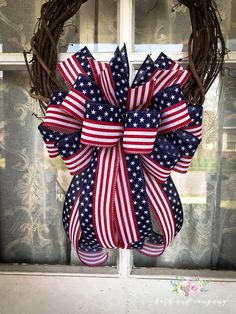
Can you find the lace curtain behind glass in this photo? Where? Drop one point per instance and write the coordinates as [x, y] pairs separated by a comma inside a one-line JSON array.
[[31, 201]]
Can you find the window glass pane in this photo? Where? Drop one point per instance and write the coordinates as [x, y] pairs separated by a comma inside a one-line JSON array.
[[207, 239], [17, 19], [31, 196], [32, 186], [94, 25], [227, 11], [157, 28]]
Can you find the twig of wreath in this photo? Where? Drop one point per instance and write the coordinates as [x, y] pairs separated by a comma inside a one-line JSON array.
[[206, 48]]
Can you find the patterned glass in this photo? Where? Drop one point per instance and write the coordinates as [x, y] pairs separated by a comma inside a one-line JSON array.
[[159, 28], [95, 25]]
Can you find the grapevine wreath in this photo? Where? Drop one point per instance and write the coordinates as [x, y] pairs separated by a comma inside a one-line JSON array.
[[121, 142]]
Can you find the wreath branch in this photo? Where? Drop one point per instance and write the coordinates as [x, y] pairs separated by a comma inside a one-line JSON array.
[[206, 48]]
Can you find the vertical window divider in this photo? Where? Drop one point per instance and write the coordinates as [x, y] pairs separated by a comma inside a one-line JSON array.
[[125, 21]]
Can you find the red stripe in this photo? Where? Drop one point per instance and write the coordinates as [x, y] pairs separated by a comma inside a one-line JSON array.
[[57, 119], [74, 104], [111, 85], [107, 86], [64, 75], [183, 164], [195, 130], [161, 207], [103, 123], [71, 75], [72, 65], [74, 223], [137, 98], [79, 161], [52, 119], [97, 67], [92, 258], [103, 198], [182, 78], [104, 134], [80, 70], [52, 150], [121, 224], [152, 167], [152, 250], [125, 216]]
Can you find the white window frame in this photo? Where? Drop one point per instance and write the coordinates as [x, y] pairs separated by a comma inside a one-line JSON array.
[[124, 267]]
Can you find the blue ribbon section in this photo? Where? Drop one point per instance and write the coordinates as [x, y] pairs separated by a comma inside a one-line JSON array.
[[138, 190]]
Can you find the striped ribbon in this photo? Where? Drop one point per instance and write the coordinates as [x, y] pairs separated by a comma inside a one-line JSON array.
[[70, 69], [125, 220], [57, 119], [104, 195]]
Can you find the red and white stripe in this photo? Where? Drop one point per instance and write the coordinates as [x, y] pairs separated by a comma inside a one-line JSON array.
[[139, 140], [152, 250], [174, 117], [103, 200], [101, 134], [79, 161], [165, 78], [195, 130], [102, 74], [161, 207], [126, 224], [152, 167], [52, 149], [174, 75], [97, 68], [70, 69], [58, 119], [140, 96], [183, 164], [74, 104], [106, 84], [88, 258], [182, 78], [175, 66], [92, 258], [74, 223]]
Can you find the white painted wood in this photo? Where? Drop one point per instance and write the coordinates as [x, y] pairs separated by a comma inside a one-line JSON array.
[[59, 295], [15, 61], [125, 24]]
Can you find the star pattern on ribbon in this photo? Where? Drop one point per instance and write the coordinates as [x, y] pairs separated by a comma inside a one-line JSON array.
[[121, 142]]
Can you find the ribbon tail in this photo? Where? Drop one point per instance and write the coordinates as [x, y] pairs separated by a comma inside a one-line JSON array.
[[124, 209], [162, 211], [103, 197], [91, 258], [156, 244], [72, 225], [74, 228]]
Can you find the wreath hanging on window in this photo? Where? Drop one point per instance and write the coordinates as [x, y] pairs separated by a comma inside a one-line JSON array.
[[122, 142]]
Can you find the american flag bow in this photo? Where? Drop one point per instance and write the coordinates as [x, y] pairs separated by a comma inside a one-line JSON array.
[[120, 144]]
